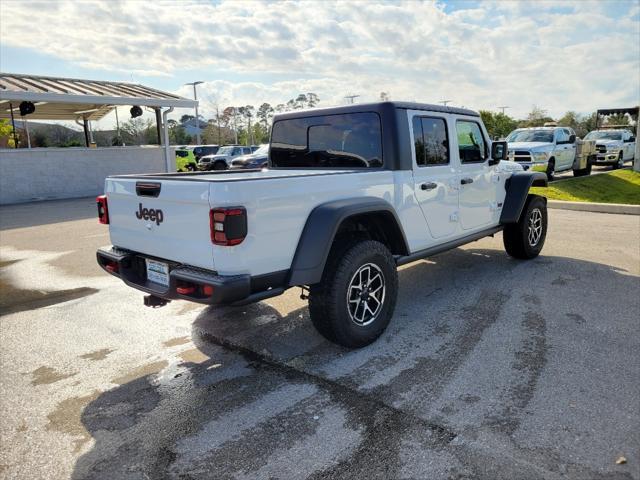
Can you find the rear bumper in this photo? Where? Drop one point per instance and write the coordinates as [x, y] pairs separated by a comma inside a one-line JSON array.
[[227, 289]]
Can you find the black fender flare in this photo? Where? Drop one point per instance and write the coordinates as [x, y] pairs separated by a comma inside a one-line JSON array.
[[517, 187], [320, 230]]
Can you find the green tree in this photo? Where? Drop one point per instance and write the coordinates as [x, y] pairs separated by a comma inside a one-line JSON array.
[[185, 118], [587, 124], [265, 113], [537, 117], [138, 131], [617, 119], [499, 125], [6, 134], [177, 133], [570, 119], [312, 100]]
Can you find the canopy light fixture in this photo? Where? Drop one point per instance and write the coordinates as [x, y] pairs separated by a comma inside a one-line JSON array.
[[135, 111], [27, 108]]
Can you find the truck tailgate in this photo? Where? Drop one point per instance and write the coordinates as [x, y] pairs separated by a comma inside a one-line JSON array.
[[162, 218]]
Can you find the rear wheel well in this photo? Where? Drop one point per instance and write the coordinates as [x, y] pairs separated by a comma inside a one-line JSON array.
[[379, 226]]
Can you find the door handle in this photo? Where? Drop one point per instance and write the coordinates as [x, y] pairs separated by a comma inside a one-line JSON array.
[[428, 186], [466, 181]]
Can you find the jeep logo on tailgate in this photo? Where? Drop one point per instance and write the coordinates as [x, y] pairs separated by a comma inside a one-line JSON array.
[[149, 214]]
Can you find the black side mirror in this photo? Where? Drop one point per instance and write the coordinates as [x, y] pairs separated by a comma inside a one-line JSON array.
[[499, 151], [632, 139], [572, 139]]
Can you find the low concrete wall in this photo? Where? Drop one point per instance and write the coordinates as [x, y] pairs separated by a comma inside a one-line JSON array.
[[54, 173]]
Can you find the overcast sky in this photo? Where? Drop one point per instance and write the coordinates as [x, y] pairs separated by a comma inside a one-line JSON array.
[[560, 55]]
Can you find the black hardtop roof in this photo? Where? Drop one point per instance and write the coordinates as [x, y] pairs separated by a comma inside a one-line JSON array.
[[374, 107]]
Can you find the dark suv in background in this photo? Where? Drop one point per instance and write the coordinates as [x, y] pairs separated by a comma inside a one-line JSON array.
[[202, 150]]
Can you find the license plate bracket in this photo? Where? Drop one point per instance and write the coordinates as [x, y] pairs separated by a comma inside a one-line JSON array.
[[157, 272]]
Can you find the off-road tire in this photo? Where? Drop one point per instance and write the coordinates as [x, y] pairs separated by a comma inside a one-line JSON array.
[[619, 163], [328, 304], [516, 235], [582, 172], [551, 169], [220, 165]]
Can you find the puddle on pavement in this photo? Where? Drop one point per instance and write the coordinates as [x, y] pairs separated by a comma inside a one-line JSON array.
[[14, 299], [97, 355], [176, 341], [193, 355], [48, 375], [66, 418], [142, 371]]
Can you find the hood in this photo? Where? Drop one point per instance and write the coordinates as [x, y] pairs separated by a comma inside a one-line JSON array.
[[210, 158], [529, 145]]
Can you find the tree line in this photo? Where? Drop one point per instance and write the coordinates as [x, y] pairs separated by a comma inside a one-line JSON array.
[[249, 125], [499, 124]]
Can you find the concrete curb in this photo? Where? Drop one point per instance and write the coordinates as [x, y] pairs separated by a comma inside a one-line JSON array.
[[595, 207]]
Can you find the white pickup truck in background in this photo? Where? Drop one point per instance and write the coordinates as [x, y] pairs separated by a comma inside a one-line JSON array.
[[350, 194], [614, 147], [548, 150]]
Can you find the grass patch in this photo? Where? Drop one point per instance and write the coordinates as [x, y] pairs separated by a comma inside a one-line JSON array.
[[618, 186]]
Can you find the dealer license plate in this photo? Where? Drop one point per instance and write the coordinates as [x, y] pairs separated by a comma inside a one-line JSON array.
[[157, 272]]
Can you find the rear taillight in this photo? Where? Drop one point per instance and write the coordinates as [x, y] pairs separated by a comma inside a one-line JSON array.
[[103, 210], [228, 225]]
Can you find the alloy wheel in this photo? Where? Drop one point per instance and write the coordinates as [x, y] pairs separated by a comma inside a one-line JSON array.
[[534, 231], [365, 294]]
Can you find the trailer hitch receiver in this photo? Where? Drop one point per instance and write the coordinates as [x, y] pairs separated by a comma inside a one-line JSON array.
[[154, 302]]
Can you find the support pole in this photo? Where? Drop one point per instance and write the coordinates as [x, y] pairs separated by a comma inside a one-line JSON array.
[[25, 122], [158, 125], [118, 139], [167, 150], [85, 126], [13, 124], [636, 156]]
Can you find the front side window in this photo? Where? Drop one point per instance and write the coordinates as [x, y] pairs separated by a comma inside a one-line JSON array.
[[350, 140], [430, 141], [561, 136], [471, 144]]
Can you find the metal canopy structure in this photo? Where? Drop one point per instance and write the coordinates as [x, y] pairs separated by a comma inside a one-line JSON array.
[[71, 98], [56, 98]]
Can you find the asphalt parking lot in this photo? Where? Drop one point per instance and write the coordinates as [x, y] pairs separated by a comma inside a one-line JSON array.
[[491, 368]]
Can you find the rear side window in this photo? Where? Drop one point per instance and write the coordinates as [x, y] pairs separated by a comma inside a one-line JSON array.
[[351, 140], [430, 141], [471, 145], [182, 153]]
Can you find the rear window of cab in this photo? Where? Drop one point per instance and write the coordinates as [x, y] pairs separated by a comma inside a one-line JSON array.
[[352, 140]]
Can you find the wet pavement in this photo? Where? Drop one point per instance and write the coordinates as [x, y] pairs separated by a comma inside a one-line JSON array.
[[491, 368]]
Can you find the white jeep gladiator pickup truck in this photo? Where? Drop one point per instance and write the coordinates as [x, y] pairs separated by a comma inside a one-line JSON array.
[[350, 194]]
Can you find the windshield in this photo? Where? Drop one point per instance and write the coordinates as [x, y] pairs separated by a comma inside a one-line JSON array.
[[263, 150], [545, 136], [226, 150], [603, 136], [348, 140]]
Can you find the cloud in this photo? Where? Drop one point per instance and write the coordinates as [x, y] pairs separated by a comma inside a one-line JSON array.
[[560, 56]]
